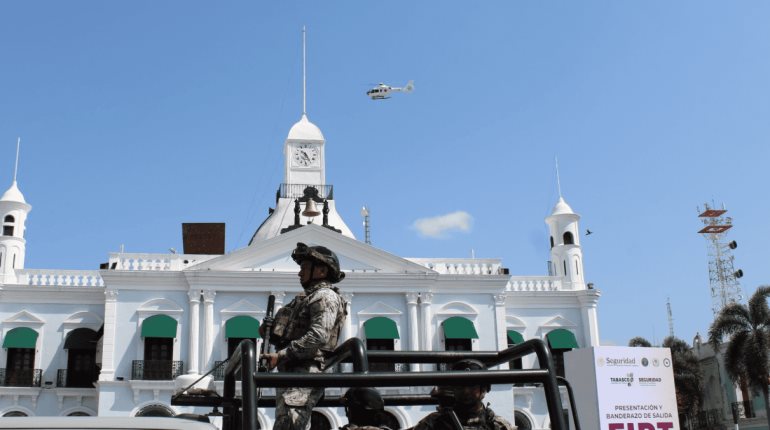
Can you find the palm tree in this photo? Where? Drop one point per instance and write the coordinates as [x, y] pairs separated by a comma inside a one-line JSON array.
[[748, 328], [688, 378], [639, 341]]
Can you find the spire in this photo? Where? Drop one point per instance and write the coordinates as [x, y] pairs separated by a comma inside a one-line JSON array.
[[12, 194], [558, 179], [304, 75], [16, 166]]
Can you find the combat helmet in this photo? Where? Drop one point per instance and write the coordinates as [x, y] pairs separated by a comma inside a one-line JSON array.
[[319, 254], [445, 393], [363, 398]]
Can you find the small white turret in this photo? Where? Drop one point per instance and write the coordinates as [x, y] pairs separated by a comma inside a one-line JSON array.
[[566, 254], [13, 214]]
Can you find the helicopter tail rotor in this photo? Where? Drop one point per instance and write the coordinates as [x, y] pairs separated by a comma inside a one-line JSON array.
[[409, 87]]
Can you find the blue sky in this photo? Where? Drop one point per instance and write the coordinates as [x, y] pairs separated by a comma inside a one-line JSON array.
[[138, 116]]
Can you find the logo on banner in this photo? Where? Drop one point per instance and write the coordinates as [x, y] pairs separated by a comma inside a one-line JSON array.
[[628, 379], [645, 362], [667, 362], [617, 362]]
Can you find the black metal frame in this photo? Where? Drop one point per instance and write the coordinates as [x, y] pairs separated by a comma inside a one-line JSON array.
[[241, 414]]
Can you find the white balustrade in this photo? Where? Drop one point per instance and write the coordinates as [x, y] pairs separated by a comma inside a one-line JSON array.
[[60, 278], [461, 266], [146, 262], [534, 283]]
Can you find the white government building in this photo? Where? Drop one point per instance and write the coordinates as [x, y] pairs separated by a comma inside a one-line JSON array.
[[110, 342]]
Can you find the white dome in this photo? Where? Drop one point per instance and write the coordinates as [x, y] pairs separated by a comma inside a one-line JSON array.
[[562, 208], [305, 130], [13, 195]]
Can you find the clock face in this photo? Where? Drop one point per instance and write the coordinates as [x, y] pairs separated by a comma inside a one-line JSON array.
[[305, 155]]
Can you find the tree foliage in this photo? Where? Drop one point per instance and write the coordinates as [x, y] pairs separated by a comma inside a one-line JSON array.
[[747, 329], [639, 341], [688, 377]]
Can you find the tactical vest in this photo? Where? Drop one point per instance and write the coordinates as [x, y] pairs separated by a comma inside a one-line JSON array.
[[293, 320]]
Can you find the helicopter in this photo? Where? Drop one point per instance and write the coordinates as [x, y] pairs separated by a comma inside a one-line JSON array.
[[383, 91]]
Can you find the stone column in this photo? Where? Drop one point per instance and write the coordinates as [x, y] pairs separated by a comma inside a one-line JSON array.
[[427, 326], [500, 325], [414, 327], [208, 327], [108, 337], [347, 328], [195, 322], [588, 302]]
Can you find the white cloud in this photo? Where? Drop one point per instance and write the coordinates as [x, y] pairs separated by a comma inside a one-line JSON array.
[[440, 226]]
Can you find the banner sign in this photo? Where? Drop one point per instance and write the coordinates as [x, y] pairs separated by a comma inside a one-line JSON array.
[[633, 387]]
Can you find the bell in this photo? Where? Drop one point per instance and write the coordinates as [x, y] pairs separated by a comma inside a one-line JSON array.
[[310, 209]]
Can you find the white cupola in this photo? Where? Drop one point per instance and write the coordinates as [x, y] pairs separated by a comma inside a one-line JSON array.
[[304, 184], [13, 213], [304, 154], [566, 254]]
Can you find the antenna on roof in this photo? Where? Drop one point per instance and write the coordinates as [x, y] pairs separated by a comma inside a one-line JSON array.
[[16, 166], [558, 179], [367, 231], [304, 74]]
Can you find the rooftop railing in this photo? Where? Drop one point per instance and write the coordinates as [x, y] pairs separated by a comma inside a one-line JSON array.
[[60, 278], [157, 262], [534, 283], [462, 266], [295, 191]]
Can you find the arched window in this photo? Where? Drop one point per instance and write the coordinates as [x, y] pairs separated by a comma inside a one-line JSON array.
[[381, 333], [20, 368], [459, 333], [565, 267], [514, 338], [15, 414], [577, 267], [551, 241], [156, 410], [568, 238], [560, 341], [521, 421], [79, 414], [8, 223], [82, 369], [319, 422], [158, 332], [238, 329]]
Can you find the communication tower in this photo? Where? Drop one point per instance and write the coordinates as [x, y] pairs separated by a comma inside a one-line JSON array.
[[723, 278], [670, 317]]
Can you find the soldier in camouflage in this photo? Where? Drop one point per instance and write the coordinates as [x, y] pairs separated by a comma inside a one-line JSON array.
[[364, 408], [303, 329], [466, 404]]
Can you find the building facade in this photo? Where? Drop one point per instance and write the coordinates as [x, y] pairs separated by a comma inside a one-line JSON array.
[[112, 342]]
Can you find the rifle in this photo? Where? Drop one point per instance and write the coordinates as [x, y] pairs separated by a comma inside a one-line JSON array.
[[268, 323]]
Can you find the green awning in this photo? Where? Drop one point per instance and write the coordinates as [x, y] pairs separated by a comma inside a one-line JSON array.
[[20, 337], [81, 338], [561, 339], [380, 328], [514, 337], [159, 326], [242, 327], [459, 328]]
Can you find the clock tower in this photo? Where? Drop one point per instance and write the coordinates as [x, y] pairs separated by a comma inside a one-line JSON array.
[[304, 154]]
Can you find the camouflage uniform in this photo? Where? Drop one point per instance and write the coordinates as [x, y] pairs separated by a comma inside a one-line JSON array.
[[485, 419], [303, 329], [355, 427]]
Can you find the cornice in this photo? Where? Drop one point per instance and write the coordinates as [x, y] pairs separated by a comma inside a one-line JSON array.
[[141, 280], [46, 294]]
